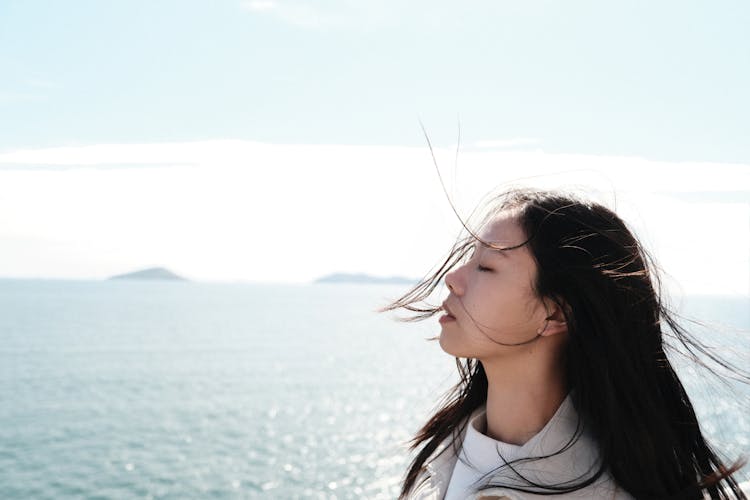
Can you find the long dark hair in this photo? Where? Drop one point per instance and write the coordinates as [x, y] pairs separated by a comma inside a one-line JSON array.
[[622, 383]]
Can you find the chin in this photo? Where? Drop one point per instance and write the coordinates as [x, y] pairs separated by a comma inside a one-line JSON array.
[[446, 346]]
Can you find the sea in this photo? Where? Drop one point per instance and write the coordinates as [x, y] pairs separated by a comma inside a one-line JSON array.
[[156, 389]]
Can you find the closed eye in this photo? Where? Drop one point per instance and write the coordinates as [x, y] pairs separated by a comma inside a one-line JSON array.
[[483, 269]]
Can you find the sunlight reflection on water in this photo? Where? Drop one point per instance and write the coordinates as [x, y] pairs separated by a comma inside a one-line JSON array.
[[186, 390]]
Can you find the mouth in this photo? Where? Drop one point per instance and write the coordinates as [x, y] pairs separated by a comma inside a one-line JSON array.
[[447, 311]]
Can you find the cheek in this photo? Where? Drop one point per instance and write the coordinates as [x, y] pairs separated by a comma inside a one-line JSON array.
[[487, 309], [510, 309]]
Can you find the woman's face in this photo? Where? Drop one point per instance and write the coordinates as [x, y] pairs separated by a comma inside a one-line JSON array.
[[491, 297]]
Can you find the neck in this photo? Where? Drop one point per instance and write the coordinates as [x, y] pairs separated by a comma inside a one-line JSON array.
[[522, 396]]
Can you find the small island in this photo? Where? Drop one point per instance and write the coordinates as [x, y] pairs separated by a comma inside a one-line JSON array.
[[364, 279], [152, 273]]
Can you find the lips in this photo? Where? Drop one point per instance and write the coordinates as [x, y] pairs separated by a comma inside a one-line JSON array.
[[447, 311]]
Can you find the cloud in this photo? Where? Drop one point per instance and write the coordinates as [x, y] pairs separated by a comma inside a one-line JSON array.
[[711, 196], [242, 210], [491, 166], [128, 155]]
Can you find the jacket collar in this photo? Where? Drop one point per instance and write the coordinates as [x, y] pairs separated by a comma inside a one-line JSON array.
[[433, 484]]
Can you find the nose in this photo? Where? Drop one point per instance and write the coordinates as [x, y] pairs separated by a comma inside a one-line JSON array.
[[453, 282]]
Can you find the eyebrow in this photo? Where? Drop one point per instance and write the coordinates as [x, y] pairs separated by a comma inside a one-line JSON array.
[[493, 251]]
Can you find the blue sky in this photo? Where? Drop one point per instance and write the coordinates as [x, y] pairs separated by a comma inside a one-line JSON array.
[[664, 80], [217, 138]]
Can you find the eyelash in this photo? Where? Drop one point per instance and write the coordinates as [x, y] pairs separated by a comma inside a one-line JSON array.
[[483, 269]]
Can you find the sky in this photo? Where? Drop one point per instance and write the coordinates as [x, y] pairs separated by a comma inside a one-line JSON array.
[[268, 140]]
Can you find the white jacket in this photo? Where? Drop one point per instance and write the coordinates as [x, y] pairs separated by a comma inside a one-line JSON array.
[[569, 465]]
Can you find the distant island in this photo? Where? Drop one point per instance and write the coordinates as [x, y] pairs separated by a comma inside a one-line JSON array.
[[153, 273], [364, 278]]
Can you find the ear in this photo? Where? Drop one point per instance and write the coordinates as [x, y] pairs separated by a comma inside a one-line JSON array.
[[555, 322]]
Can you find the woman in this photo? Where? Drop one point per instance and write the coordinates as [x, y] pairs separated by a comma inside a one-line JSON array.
[[565, 387]]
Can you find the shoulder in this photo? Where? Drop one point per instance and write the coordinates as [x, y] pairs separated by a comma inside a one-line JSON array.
[[604, 489], [563, 462]]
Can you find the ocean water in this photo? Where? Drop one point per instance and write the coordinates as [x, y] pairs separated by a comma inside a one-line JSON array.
[[125, 389]]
